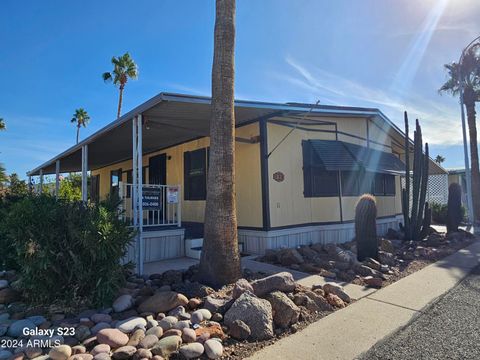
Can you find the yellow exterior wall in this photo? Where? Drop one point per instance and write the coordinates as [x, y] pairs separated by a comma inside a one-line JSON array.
[[248, 179], [288, 206]]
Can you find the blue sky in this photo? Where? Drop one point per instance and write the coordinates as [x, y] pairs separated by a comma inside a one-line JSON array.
[[387, 54]]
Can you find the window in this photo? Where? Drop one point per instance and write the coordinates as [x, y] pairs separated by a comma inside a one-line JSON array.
[[379, 184], [115, 178], [130, 180], [195, 174], [95, 188], [356, 183], [319, 183], [390, 185], [384, 185]]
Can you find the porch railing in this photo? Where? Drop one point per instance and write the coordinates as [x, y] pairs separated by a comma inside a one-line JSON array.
[[161, 204]]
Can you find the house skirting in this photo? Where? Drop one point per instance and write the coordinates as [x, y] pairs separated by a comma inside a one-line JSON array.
[[256, 241], [159, 245]]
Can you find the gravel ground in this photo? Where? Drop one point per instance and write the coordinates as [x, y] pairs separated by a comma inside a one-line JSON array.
[[449, 329]]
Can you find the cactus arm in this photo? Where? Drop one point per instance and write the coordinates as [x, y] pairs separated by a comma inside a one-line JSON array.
[[416, 181], [423, 191]]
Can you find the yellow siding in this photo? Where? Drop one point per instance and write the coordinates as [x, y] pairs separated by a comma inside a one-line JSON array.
[[249, 192], [288, 206]]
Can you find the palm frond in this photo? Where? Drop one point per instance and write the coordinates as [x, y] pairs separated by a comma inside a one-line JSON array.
[[2, 125], [107, 77]]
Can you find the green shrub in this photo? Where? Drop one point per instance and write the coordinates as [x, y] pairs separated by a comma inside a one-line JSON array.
[[68, 252], [439, 213]]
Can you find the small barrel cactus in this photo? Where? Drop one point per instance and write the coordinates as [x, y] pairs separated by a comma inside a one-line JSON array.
[[366, 227], [454, 207]]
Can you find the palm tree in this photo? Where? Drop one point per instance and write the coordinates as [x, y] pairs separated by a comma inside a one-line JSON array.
[[2, 125], [439, 159], [469, 70], [80, 118], [124, 68], [220, 260]]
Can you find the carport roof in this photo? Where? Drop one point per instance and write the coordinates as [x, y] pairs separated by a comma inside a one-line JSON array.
[[171, 119]]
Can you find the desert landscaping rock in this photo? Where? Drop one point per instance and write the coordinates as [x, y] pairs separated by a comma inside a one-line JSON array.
[[128, 325], [113, 337], [167, 346], [101, 318], [100, 348], [255, 312], [16, 329], [148, 342], [219, 305], [197, 317], [192, 351], [8, 295], [288, 257], [213, 349], [334, 300], [163, 301], [241, 285], [97, 327], [282, 282], [123, 303], [285, 312], [167, 322], [5, 354], [60, 352], [188, 335], [124, 352], [142, 354], [239, 330], [336, 289], [157, 331]]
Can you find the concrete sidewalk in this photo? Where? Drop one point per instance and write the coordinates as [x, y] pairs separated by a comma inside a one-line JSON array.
[[348, 333]]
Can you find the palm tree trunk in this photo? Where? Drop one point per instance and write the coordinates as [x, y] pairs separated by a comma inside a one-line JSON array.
[[120, 99], [472, 130], [78, 132], [220, 260]]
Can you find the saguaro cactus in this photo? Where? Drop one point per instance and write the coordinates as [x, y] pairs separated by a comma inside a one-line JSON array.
[[414, 215], [454, 207], [366, 227]]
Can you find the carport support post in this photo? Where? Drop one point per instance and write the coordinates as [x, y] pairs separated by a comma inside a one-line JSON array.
[[140, 191], [57, 178], [84, 172]]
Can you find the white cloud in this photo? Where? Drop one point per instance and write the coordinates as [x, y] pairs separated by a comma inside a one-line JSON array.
[[441, 124]]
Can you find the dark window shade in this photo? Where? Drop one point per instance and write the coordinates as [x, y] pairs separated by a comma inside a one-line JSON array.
[[350, 183], [195, 174], [390, 185], [95, 188], [379, 184], [115, 178], [317, 182]]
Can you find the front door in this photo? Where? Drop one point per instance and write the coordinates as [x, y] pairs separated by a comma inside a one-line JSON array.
[[157, 170]]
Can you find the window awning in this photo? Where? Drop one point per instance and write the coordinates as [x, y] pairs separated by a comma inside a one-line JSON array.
[[338, 155]]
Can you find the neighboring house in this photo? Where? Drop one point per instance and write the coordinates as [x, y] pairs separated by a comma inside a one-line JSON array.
[[299, 170]]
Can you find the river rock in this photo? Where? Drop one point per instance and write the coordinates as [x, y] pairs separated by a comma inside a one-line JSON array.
[[188, 335], [167, 322], [213, 349], [197, 317], [123, 303], [192, 351], [16, 329], [166, 346], [163, 301], [124, 352], [97, 327], [128, 325], [102, 356], [156, 330], [136, 337], [5, 354], [99, 318], [282, 282], [148, 342], [60, 352], [336, 289], [100, 348], [142, 354], [81, 357], [285, 312], [113, 337], [255, 312]]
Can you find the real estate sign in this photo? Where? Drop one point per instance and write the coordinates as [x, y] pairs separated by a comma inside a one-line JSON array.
[[151, 198]]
